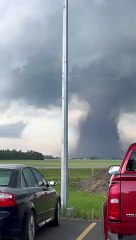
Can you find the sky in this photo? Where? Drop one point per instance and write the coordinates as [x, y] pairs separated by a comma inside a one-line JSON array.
[[102, 76]]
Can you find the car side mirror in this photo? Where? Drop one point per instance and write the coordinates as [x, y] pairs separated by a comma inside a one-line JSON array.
[[51, 183], [114, 170]]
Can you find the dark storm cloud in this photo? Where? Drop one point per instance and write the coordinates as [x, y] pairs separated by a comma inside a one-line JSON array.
[[30, 63], [105, 74], [12, 130], [110, 89], [102, 60], [38, 83]]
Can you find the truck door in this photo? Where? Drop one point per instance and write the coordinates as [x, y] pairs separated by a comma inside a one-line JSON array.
[[128, 189]]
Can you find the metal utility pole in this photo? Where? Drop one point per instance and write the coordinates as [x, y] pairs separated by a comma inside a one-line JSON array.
[[64, 157]]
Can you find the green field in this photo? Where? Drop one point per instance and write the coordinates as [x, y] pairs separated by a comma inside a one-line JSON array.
[[71, 163], [86, 205]]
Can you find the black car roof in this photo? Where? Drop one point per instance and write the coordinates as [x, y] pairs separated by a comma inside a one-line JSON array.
[[12, 166]]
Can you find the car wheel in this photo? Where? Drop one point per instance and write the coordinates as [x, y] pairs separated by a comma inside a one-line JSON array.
[[56, 219], [29, 227]]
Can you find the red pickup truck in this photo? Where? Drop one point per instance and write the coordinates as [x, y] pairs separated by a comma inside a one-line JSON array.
[[119, 211]]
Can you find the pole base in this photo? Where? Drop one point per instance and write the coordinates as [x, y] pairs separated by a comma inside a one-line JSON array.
[[67, 212]]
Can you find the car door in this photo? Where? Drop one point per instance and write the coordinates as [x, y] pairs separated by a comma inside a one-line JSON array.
[[36, 194], [49, 194]]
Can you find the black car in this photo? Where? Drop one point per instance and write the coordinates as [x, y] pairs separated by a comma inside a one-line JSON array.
[[27, 201]]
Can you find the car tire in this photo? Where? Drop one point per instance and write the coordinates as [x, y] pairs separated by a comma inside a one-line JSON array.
[[28, 232], [56, 220]]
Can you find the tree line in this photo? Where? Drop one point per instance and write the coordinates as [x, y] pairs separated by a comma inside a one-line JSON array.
[[19, 155]]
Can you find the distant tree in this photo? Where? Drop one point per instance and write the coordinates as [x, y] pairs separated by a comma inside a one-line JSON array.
[[48, 157], [19, 155]]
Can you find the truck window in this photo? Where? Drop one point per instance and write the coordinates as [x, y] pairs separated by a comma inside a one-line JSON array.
[[131, 166]]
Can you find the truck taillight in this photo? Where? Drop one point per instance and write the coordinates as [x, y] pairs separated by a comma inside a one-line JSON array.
[[7, 199], [114, 202]]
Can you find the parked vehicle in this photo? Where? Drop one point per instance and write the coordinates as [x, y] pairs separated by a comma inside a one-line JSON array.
[[119, 211], [27, 201]]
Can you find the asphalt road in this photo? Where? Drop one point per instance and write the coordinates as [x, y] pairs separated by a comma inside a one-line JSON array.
[[71, 230]]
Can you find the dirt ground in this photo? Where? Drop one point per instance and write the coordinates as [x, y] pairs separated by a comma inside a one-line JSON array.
[[98, 182]]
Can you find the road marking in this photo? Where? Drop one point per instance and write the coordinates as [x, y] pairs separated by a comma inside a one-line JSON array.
[[86, 231]]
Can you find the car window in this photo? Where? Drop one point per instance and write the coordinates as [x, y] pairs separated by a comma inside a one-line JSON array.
[[38, 176], [5, 176], [131, 166], [29, 178], [23, 183]]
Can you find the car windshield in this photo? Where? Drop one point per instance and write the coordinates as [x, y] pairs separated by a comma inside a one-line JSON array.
[[5, 176]]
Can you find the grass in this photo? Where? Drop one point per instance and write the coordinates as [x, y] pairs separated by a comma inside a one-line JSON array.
[[86, 205], [56, 163], [74, 175]]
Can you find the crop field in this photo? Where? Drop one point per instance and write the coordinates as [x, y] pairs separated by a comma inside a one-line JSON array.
[[71, 163]]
